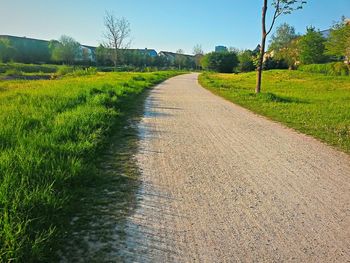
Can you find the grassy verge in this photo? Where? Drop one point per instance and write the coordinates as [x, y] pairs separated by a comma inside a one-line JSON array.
[[332, 69], [96, 225], [50, 135], [314, 104]]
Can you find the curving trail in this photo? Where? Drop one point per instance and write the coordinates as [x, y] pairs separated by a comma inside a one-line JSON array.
[[221, 184]]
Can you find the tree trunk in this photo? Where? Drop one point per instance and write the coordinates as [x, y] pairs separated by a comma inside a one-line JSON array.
[[115, 57], [262, 49]]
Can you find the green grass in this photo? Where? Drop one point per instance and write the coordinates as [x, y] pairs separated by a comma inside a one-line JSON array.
[[332, 69], [51, 133], [314, 104], [28, 68]]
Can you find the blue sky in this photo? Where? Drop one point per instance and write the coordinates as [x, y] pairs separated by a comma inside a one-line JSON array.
[[160, 24]]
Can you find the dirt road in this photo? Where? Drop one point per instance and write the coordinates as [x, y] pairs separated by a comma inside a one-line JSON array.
[[221, 184]]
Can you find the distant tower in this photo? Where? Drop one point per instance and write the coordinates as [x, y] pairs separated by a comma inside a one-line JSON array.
[[221, 49]]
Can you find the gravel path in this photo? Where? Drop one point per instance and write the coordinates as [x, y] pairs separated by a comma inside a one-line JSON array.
[[221, 184]]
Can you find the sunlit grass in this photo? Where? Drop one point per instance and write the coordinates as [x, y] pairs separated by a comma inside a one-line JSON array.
[[314, 104], [50, 134]]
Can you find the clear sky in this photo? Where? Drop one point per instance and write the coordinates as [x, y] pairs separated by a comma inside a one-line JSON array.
[[160, 24]]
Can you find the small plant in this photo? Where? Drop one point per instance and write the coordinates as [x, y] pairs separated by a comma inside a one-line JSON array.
[[84, 72], [13, 72], [64, 70]]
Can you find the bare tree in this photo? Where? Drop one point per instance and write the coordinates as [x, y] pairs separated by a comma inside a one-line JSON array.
[[117, 34], [198, 54], [180, 58], [198, 50], [180, 51], [280, 7]]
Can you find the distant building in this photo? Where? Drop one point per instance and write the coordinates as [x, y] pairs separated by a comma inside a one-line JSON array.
[[257, 49], [179, 60], [221, 49], [171, 56], [326, 33], [31, 50], [150, 52], [87, 53]]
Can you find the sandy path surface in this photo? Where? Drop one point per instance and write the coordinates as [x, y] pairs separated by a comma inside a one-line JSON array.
[[221, 184]]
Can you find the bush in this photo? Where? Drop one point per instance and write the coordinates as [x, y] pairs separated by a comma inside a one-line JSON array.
[[272, 63], [332, 69], [246, 61], [84, 72], [223, 62], [28, 68], [13, 72], [64, 70]]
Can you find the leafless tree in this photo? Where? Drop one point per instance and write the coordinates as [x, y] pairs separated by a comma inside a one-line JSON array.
[[280, 7], [117, 34], [180, 51], [198, 50], [198, 54]]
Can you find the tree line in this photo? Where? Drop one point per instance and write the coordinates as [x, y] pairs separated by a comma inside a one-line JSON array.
[[287, 50]]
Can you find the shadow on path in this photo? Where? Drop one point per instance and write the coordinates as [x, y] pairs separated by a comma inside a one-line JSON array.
[[97, 230]]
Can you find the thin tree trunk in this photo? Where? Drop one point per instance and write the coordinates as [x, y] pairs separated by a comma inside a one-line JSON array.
[[262, 49]]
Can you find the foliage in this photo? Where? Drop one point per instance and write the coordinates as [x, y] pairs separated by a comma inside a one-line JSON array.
[[246, 60], [332, 69], [13, 72], [280, 7], [198, 50], [7, 51], [313, 104], [103, 56], [28, 68], [311, 47], [274, 63], [223, 62], [66, 50], [50, 135], [282, 37], [289, 54], [338, 43], [24, 50], [284, 47]]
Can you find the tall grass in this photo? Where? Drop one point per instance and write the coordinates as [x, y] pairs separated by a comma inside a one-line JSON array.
[[50, 134], [314, 104], [332, 69], [28, 68]]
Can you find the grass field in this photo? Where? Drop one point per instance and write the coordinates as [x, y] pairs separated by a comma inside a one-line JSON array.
[[314, 104], [50, 135]]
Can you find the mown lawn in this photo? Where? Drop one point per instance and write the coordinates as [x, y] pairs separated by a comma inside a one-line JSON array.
[[50, 135], [314, 104]]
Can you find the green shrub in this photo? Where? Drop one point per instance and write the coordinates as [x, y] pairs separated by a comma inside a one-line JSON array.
[[224, 62], [28, 68], [332, 69], [64, 70], [246, 61], [340, 69], [13, 72], [84, 72]]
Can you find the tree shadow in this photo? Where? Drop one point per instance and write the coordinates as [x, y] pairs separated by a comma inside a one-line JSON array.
[[271, 97], [95, 230]]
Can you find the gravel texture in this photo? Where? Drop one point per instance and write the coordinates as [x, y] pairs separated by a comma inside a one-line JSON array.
[[221, 184]]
